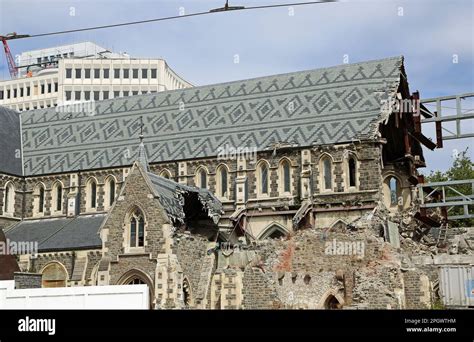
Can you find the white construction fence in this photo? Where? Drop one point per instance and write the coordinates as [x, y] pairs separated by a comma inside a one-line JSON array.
[[126, 297]]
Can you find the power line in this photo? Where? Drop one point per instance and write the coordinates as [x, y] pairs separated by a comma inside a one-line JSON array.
[[176, 17]]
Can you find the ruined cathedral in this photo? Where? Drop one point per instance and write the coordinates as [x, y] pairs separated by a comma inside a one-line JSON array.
[[135, 192]]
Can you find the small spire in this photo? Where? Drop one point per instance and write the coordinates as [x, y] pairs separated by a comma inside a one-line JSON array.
[[142, 157]]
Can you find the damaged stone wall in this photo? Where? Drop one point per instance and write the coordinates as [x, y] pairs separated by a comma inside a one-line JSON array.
[[191, 252], [258, 290], [378, 286], [417, 289], [226, 289], [316, 269]]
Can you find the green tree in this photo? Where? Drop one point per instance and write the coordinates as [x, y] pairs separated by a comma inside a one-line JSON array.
[[462, 169]]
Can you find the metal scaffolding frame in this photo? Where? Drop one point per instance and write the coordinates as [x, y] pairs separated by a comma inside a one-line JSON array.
[[434, 195], [440, 189], [438, 118]]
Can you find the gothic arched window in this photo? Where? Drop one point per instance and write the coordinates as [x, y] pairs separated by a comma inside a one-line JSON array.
[[165, 174], [39, 199], [352, 171], [91, 193], [201, 178], [136, 281], [285, 177], [326, 165], [57, 197], [262, 178], [393, 184], [110, 191], [9, 199], [137, 229], [222, 182]]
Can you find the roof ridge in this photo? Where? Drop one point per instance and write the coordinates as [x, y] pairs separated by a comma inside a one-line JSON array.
[[400, 57], [197, 87]]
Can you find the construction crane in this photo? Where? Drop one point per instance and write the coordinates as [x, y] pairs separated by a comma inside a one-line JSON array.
[[10, 61]]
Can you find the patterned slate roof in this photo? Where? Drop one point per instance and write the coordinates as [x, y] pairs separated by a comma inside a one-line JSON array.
[[59, 234], [172, 197], [322, 106], [10, 142]]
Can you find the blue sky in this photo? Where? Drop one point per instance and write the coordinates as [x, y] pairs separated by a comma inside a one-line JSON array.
[[202, 49]]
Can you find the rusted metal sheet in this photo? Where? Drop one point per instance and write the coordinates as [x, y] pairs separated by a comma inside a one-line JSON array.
[[439, 134]]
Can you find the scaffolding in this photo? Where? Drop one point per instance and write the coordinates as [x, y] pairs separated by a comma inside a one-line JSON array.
[[438, 117], [440, 195]]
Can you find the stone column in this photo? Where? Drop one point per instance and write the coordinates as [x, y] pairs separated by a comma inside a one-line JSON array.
[[241, 182], [73, 204], [305, 191], [182, 173]]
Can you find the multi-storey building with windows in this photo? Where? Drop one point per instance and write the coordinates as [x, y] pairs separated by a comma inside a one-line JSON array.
[[84, 72]]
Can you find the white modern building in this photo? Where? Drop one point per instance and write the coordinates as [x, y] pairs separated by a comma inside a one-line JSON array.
[[83, 72], [36, 60]]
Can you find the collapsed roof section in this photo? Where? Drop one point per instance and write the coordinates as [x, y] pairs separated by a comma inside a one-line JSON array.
[[182, 202], [400, 125]]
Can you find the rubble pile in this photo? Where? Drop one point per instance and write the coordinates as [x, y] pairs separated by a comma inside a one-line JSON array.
[[416, 238]]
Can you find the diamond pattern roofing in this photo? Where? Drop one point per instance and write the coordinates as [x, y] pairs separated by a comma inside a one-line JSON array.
[[322, 106]]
